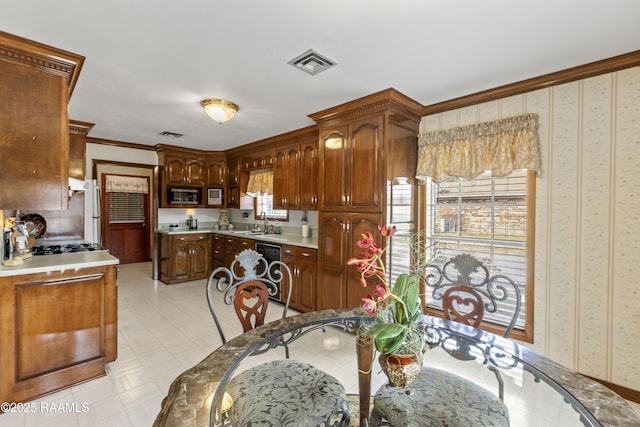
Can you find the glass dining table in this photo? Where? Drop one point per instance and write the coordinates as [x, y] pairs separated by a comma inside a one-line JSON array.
[[536, 390]]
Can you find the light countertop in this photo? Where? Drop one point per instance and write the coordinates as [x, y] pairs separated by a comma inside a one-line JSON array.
[[46, 263], [284, 239]]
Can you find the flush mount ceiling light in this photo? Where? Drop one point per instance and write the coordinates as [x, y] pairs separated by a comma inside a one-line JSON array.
[[219, 109]]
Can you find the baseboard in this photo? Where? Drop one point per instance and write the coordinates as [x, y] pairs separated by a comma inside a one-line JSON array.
[[624, 392]]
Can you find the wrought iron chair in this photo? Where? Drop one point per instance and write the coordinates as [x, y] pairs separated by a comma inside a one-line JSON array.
[[273, 392], [467, 291]]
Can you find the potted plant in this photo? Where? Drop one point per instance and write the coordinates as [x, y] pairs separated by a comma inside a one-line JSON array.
[[394, 311]]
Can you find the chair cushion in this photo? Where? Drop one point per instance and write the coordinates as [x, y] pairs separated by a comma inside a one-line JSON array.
[[438, 398], [287, 393]]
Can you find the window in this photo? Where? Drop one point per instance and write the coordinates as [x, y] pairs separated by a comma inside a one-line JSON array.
[[264, 203], [126, 207], [490, 218]]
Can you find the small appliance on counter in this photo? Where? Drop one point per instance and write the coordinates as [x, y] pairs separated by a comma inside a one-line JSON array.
[[192, 223]]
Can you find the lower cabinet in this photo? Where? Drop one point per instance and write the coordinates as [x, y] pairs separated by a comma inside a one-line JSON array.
[[339, 284], [184, 257], [57, 329], [302, 263]]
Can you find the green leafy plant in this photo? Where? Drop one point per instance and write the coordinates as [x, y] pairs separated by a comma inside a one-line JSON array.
[[395, 310]]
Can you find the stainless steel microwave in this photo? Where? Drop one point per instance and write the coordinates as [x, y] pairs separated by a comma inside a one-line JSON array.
[[215, 196], [184, 196]]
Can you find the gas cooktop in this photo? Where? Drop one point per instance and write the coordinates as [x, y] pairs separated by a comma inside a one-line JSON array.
[[65, 248]]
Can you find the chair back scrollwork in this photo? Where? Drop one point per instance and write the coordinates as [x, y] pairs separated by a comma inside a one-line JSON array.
[[466, 273], [258, 280]]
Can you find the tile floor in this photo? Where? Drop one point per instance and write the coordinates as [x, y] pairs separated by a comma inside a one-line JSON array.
[[164, 330]]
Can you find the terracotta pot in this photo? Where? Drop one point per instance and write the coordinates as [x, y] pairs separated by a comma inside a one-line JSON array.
[[401, 369]]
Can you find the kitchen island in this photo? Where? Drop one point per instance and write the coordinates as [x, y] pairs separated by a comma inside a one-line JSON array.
[[58, 322]]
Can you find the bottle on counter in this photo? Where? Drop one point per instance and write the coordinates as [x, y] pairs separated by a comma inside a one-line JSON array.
[[305, 226]]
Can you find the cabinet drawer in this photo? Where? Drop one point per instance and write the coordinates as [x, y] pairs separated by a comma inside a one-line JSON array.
[[191, 237], [299, 252]]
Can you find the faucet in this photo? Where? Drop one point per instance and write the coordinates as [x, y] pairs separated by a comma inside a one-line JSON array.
[[266, 221]]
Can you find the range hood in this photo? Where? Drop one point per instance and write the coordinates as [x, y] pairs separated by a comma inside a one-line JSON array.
[[76, 185]]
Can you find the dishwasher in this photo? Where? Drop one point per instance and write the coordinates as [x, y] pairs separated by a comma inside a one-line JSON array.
[[271, 253]]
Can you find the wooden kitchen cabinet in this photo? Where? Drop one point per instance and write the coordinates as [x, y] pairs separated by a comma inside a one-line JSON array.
[[58, 329], [367, 151], [339, 284], [36, 84], [184, 257], [218, 250], [302, 263], [295, 173], [351, 158], [181, 171], [216, 172]]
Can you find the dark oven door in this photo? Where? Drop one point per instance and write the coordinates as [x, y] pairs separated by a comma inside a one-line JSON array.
[[271, 253]]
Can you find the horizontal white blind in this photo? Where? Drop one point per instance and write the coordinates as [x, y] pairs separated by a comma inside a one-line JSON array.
[[126, 207]]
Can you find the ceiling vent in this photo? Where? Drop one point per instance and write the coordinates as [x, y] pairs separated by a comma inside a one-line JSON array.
[[312, 62], [171, 134]]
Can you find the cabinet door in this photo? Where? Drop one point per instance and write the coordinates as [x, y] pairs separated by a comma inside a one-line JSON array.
[[215, 173], [279, 179], [234, 198], [34, 138], [309, 176], [359, 224], [307, 284], [200, 260], [180, 264], [333, 167], [194, 172], [332, 240], [366, 167], [174, 171], [233, 171], [292, 187]]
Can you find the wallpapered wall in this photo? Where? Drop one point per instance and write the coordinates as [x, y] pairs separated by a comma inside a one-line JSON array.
[[587, 290]]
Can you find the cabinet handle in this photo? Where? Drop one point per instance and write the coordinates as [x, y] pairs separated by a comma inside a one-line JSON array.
[[307, 254]]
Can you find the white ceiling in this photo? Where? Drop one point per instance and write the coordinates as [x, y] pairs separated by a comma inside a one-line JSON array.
[[150, 62]]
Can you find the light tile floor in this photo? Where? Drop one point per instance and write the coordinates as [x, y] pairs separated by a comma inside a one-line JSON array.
[[164, 330]]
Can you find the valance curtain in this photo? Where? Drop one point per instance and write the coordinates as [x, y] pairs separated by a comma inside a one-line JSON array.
[[260, 182], [466, 152], [126, 184]]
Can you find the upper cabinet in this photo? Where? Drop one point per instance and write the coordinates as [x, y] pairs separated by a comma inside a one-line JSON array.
[[36, 84], [295, 173], [363, 146], [216, 171], [181, 167]]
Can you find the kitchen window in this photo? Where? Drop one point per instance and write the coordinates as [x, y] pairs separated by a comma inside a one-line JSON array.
[[490, 218], [126, 208], [264, 203]]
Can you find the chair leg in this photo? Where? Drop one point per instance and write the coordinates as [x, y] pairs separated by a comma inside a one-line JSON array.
[[500, 382]]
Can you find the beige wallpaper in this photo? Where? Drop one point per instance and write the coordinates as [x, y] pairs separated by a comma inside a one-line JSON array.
[[587, 290]]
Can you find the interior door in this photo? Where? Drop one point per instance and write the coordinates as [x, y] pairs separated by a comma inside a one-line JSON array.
[[125, 228]]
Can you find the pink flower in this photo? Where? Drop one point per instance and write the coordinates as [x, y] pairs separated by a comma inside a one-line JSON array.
[[381, 291], [369, 305], [387, 231], [367, 240]]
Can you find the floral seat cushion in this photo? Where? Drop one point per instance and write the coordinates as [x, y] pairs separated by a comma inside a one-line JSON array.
[[287, 393], [438, 398]]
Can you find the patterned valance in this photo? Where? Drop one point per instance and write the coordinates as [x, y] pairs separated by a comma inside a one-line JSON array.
[[260, 182], [126, 184], [465, 152]]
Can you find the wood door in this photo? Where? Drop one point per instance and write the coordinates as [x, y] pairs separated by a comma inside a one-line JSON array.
[[288, 257], [309, 175], [215, 173], [195, 173], [34, 138], [365, 166], [126, 240], [307, 283], [279, 179], [174, 171], [333, 169], [292, 176], [180, 265], [200, 259], [359, 224]]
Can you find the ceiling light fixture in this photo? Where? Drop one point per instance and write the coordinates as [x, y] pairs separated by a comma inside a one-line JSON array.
[[219, 109]]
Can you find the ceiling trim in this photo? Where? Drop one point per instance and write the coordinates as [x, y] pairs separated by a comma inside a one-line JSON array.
[[580, 72]]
